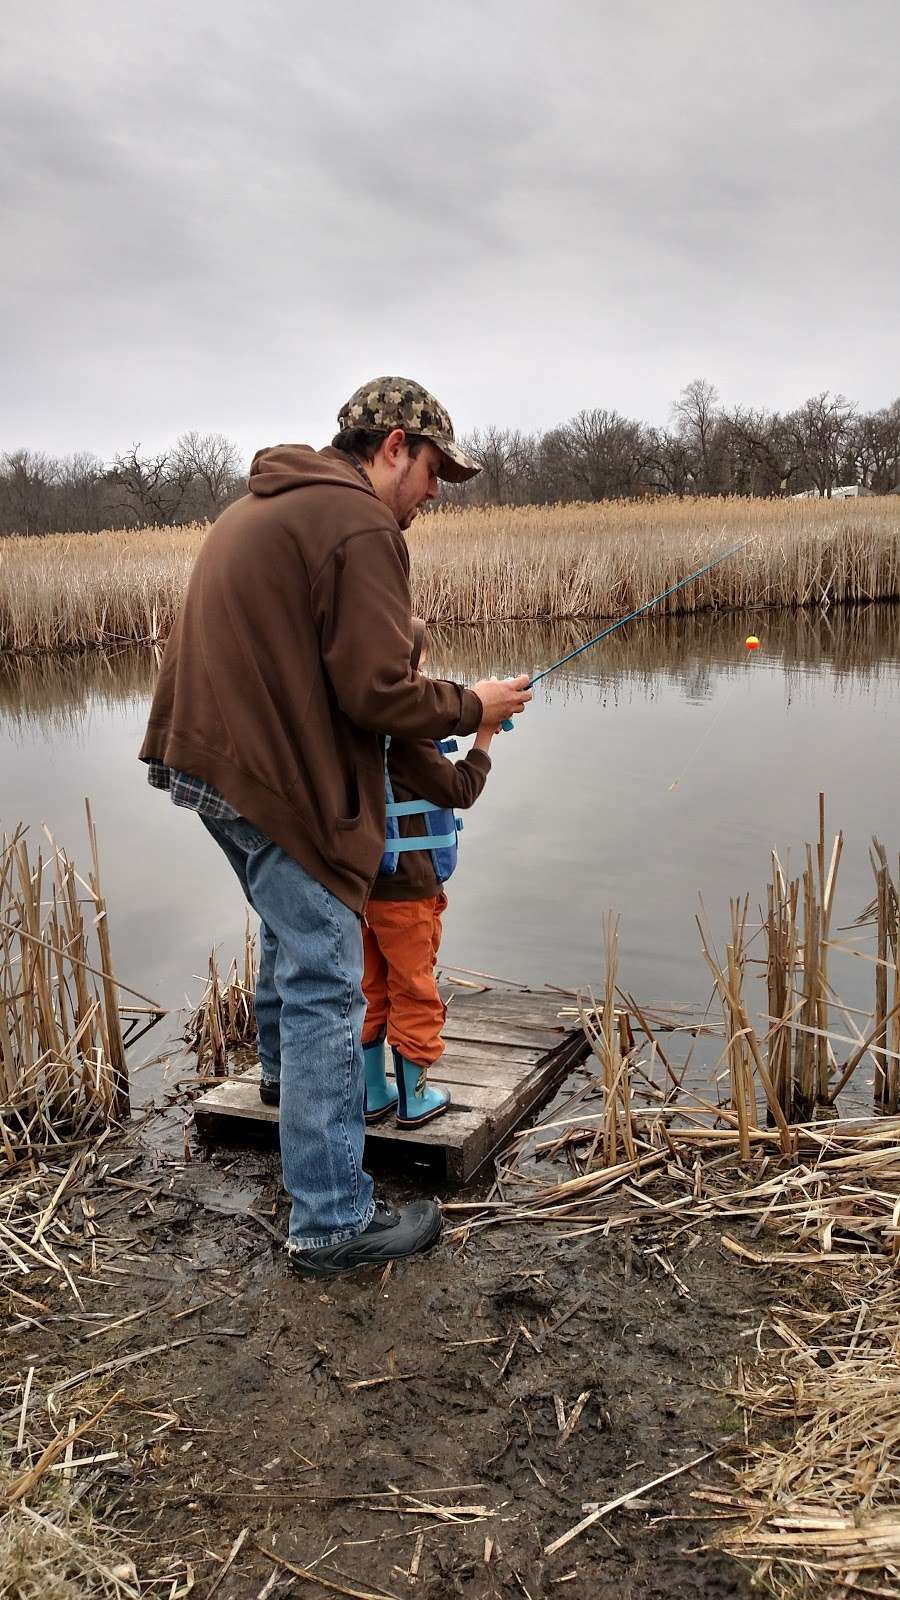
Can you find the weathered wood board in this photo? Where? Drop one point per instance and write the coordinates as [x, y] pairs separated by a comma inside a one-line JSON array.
[[507, 1052]]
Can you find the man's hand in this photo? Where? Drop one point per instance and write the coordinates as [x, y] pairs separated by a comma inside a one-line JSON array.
[[502, 699]]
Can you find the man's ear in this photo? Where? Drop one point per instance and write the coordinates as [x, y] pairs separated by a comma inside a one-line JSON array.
[[393, 445]]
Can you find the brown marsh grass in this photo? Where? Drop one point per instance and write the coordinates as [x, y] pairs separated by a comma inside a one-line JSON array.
[[74, 592]]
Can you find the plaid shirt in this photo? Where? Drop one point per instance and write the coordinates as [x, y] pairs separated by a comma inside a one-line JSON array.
[[190, 792]]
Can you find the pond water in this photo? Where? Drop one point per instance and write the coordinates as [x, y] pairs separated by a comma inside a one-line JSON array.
[[660, 767]]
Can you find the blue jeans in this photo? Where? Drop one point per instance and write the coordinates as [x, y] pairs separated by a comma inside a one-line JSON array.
[[309, 1016]]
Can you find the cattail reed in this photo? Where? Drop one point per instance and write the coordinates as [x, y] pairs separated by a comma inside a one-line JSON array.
[[607, 1034], [78, 591], [782, 962], [62, 1056], [887, 982], [224, 1018], [743, 1050], [812, 1085]]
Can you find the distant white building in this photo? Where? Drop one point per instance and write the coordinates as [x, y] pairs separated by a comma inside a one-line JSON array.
[[848, 491]]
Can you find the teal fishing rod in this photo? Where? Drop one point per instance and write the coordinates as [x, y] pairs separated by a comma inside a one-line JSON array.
[[632, 615]]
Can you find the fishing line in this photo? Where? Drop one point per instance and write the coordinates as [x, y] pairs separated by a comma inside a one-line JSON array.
[[711, 724], [752, 644]]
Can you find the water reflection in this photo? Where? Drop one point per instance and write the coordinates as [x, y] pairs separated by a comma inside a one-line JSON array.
[[854, 643], [856, 646], [665, 763], [54, 691]]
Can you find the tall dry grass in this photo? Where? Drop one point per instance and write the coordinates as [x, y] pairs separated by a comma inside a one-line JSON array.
[[69, 592]]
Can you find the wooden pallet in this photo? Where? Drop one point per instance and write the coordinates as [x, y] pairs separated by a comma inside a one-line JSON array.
[[507, 1051]]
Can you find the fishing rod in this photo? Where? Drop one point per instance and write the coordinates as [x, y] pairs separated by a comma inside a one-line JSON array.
[[632, 615], [657, 600]]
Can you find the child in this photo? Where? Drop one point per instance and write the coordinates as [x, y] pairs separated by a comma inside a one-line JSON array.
[[402, 925]]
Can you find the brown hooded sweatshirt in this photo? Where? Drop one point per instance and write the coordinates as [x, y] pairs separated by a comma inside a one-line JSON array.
[[291, 659]]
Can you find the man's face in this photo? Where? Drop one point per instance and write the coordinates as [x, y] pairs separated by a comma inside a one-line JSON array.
[[414, 482]]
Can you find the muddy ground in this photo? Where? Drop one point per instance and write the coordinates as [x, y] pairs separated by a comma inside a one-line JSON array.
[[267, 1421]]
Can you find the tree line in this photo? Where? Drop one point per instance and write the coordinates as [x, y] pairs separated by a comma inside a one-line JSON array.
[[191, 482], [706, 449]]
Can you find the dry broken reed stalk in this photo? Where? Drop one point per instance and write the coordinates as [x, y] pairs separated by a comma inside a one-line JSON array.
[[818, 1508], [77, 591], [782, 958], [814, 1508], [224, 1018], [887, 1013], [66, 1425], [62, 1557], [812, 1074], [800, 1057], [62, 1053], [743, 1048], [607, 1033], [791, 1062]]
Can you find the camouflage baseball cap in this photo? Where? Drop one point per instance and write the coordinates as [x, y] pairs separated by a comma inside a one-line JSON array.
[[388, 403]]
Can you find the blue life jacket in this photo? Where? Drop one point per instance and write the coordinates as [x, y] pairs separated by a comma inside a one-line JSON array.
[[442, 826]]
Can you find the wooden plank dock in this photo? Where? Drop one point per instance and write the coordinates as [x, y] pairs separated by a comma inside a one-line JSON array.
[[507, 1052]]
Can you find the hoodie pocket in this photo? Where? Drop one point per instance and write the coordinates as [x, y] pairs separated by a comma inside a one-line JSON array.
[[353, 819]]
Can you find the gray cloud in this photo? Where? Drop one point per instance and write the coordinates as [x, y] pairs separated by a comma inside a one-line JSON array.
[[225, 217]]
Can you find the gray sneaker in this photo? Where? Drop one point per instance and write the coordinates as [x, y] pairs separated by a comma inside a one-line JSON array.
[[391, 1234]]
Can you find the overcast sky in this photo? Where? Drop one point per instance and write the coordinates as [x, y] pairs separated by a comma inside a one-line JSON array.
[[225, 215]]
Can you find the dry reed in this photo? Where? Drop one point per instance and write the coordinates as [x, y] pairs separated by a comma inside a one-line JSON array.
[[819, 1503], [818, 1510], [607, 1033], [67, 1427], [62, 1052], [887, 1017], [72, 592], [224, 1018], [64, 1556]]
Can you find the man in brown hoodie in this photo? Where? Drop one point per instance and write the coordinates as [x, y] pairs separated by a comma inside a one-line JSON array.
[[288, 664]]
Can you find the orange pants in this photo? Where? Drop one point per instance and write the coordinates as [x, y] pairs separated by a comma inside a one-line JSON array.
[[401, 939]]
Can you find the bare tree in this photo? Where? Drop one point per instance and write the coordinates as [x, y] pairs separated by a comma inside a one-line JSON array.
[[27, 491], [818, 432], [669, 462], [153, 488], [213, 463], [509, 469], [82, 498], [554, 483], [607, 454], [879, 449], [763, 456], [493, 447], [695, 420]]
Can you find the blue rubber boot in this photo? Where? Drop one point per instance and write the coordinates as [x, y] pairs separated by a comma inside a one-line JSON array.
[[417, 1102], [381, 1098]]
